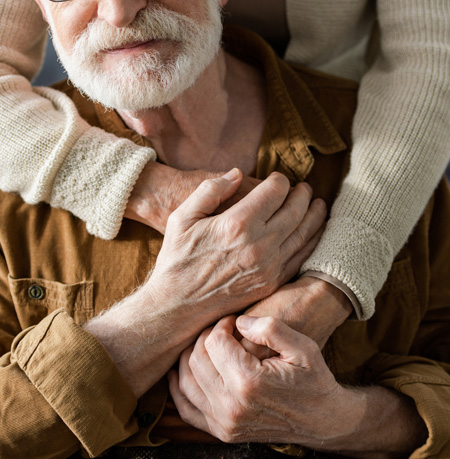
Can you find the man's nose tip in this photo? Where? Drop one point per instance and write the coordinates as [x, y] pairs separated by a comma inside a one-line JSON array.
[[120, 13]]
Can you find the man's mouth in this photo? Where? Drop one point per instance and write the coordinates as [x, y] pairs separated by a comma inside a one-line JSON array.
[[133, 46]]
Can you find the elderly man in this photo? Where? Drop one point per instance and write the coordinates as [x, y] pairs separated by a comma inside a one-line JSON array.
[[69, 380]]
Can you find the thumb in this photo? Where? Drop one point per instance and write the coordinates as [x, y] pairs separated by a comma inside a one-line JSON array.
[[292, 346], [208, 196]]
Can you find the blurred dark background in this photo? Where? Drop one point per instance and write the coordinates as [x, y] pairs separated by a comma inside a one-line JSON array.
[[52, 72]]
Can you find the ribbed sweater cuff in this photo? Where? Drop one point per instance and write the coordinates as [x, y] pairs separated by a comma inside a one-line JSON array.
[[357, 256], [114, 195], [95, 182]]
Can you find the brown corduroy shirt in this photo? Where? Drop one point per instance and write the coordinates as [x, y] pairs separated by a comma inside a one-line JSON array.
[[59, 389]]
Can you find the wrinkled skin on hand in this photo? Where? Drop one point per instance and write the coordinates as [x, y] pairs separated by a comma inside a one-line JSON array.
[[289, 398], [311, 306], [209, 266], [228, 392], [243, 254]]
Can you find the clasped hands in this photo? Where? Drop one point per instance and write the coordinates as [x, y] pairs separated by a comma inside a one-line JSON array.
[[289, 398], [218, 257], [284, 226], [223, 387]]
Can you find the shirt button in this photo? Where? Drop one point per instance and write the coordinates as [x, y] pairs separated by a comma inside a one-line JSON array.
[[36, 292], [146, 419]]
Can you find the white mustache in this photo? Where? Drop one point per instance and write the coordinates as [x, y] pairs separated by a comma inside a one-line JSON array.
[[151, 23]]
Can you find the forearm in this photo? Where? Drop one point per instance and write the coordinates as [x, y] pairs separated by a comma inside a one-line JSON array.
[[145, 333], [379, 423]]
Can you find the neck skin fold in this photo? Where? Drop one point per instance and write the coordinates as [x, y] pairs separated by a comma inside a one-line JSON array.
[[215, 124]]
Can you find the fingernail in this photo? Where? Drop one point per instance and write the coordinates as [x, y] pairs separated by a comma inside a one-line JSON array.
[[246, 322], [232, 175]]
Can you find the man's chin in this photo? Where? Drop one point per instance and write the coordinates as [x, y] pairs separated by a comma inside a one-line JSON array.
[[136, 108], [130, 94]]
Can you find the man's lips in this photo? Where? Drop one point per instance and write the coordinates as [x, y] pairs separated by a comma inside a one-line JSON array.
[[137, 45]]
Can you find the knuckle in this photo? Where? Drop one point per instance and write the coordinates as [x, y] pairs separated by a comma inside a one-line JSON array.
[[213, 341], [296, 213], [311, 348], [311, 355], [280, 183], [183, 385], [251, 258], [244, 388], [184, 413], [271, 325], [193, 361], [301, 236], [210, 186], [235, 227], [175, 218]]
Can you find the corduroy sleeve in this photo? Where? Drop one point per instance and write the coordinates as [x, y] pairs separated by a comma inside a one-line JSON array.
[[60, 391], [48, 152]]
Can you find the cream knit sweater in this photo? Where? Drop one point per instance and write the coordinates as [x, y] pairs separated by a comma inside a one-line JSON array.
[[401, 130]]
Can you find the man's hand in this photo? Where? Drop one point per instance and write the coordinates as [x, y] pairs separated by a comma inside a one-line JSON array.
[[309, 305], [228, 392], [291, 398], [245, 253], [161, 189], [208, 267]]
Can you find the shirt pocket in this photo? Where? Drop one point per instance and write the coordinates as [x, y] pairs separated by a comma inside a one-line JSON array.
[[34, 299]]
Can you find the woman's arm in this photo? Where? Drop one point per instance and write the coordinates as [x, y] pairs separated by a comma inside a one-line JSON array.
[[48, 152], [401, 147]]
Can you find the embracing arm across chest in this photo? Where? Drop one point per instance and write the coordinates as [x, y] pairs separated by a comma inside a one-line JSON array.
[[400, 148]]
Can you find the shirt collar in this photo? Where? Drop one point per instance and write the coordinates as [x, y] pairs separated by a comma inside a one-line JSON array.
[[296, 121]]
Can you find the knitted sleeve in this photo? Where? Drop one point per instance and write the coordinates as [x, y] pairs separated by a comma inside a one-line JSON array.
[[71, 164], [401, 146]]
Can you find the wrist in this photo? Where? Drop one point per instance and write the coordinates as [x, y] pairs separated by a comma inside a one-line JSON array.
[[150, 201], [375, 423], [353, 300], [321, 308]]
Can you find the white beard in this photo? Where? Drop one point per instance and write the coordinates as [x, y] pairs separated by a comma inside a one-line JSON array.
[[148, 80]]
